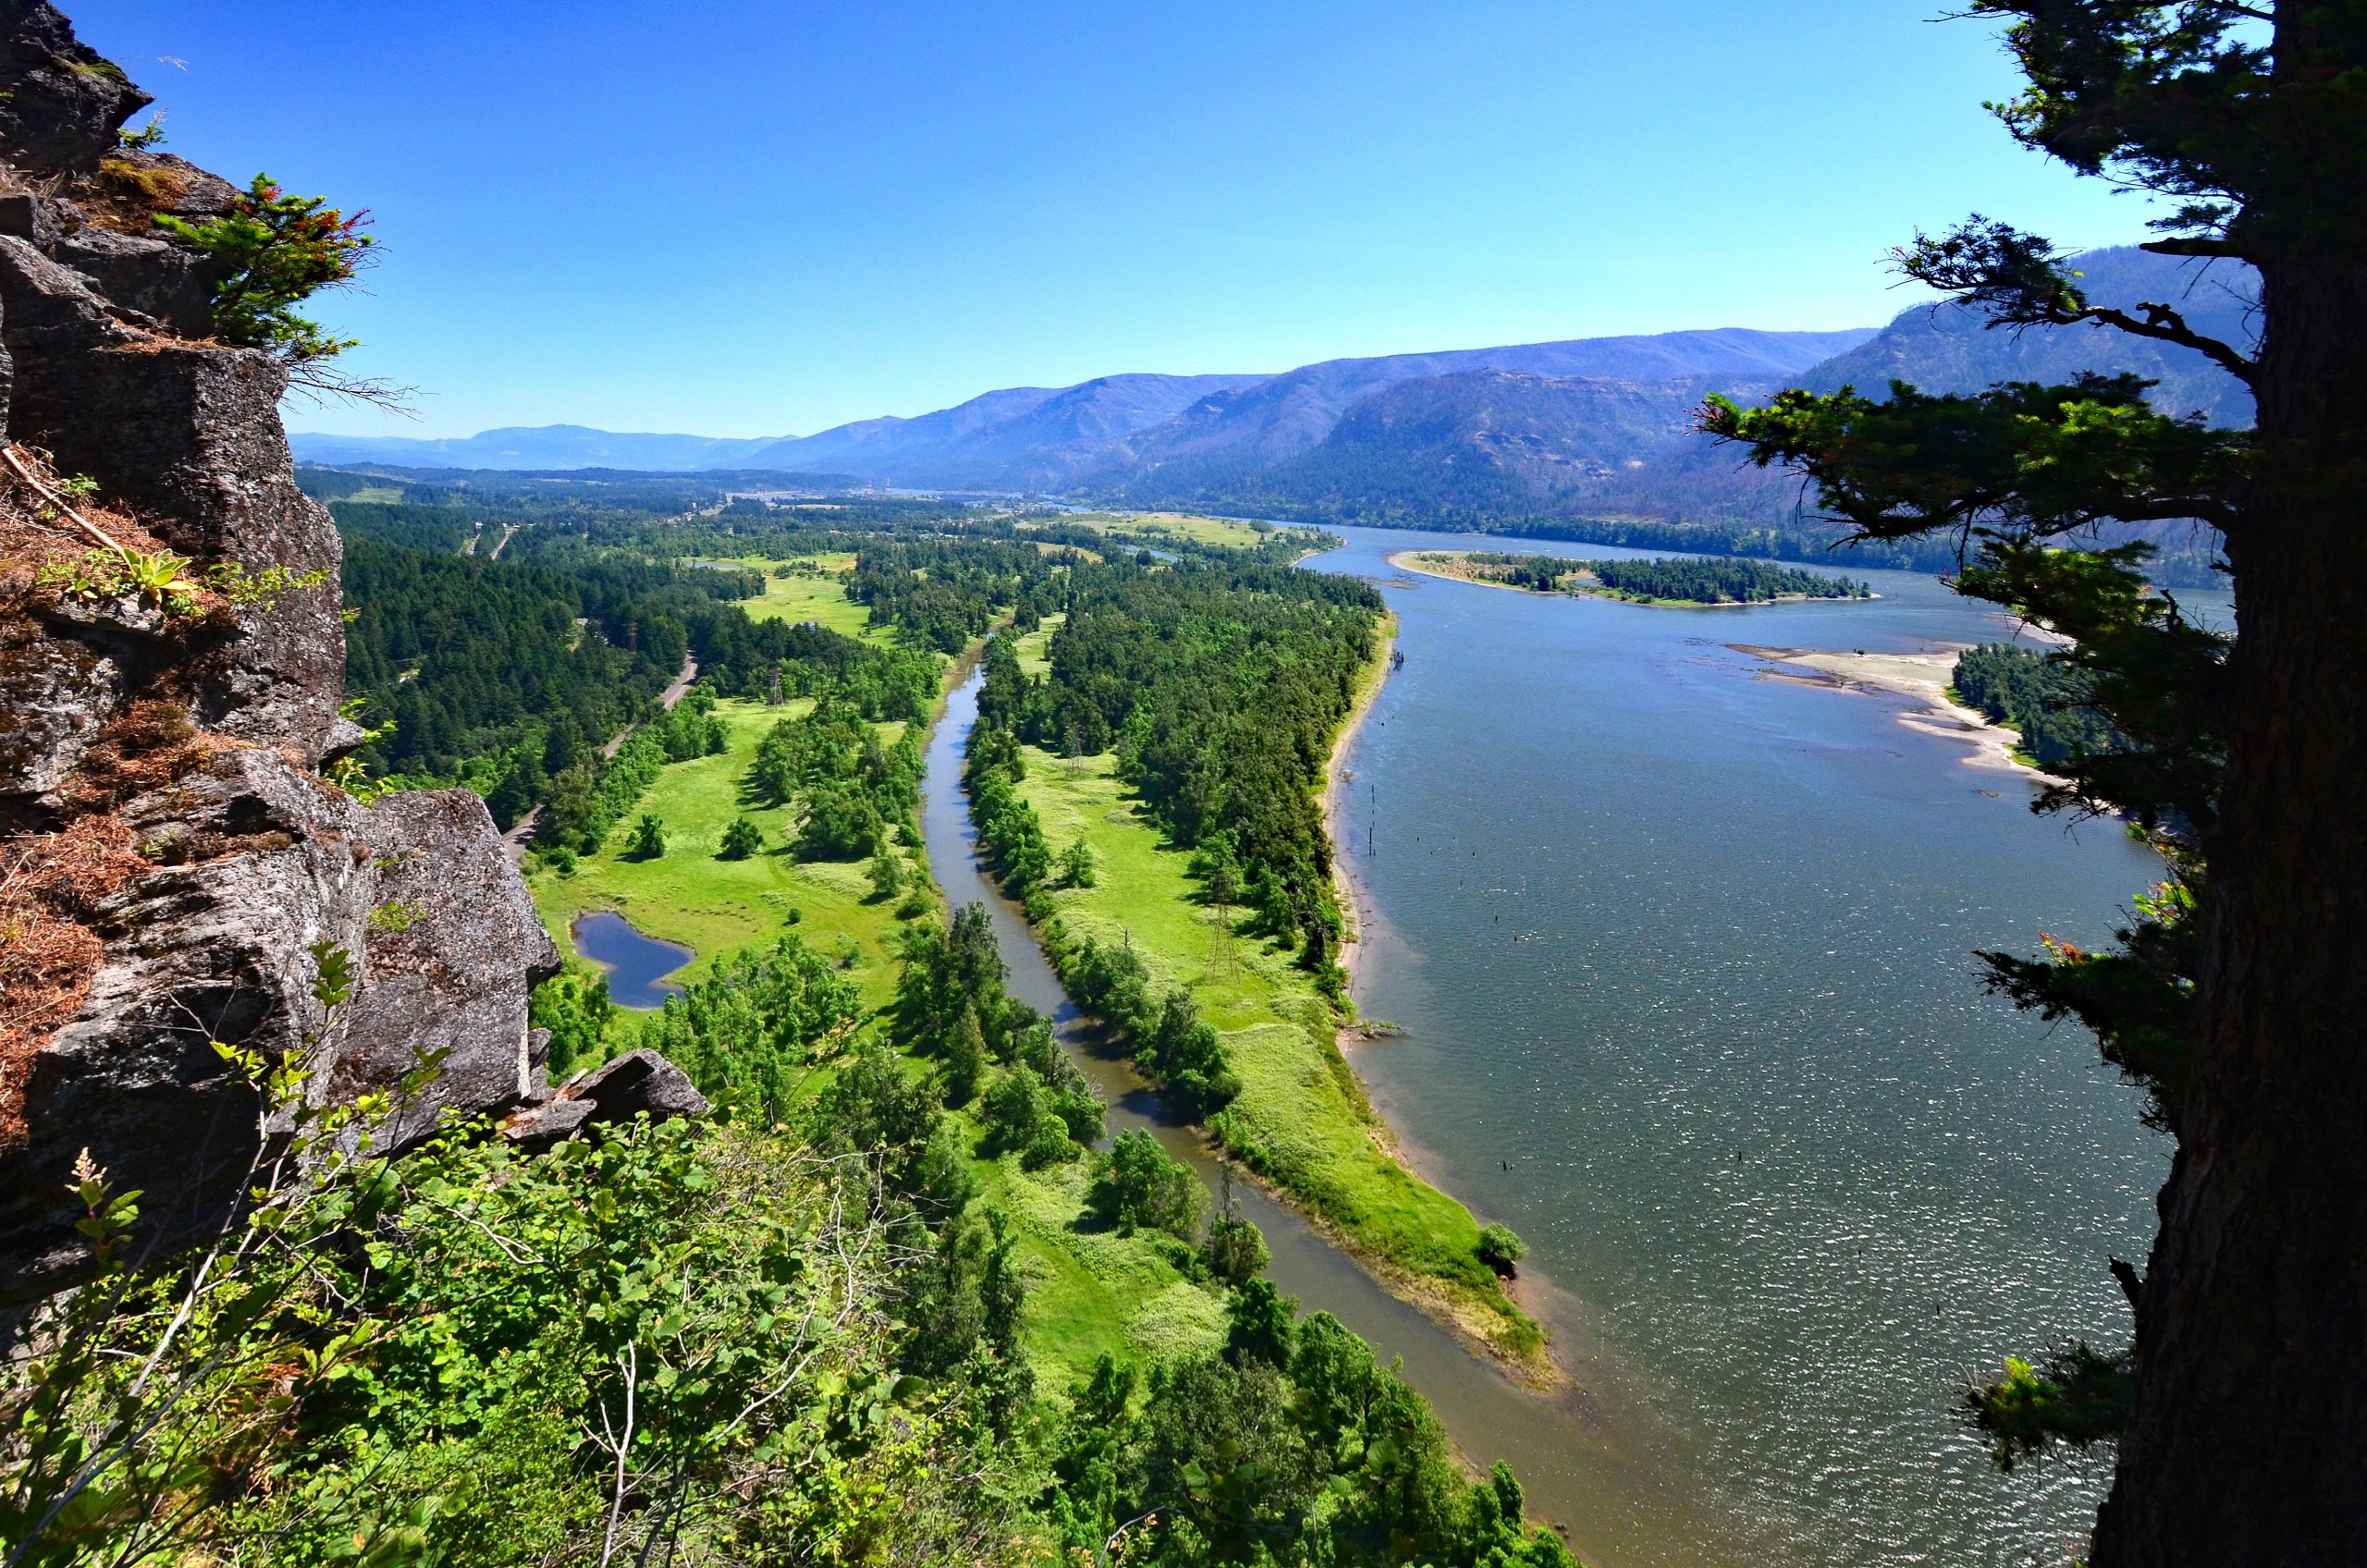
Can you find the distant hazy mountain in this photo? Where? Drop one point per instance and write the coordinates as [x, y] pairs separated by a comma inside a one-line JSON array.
[[1950, 348], [1218, 442], [1590, 433], [1025, 438], [540, 447], [1115, 427], [1501, 449], [1483, 443]]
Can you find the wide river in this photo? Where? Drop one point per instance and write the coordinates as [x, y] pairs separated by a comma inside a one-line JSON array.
[[1683, 958]]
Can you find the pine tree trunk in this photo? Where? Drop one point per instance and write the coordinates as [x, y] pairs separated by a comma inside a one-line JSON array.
[[2249, 1442]]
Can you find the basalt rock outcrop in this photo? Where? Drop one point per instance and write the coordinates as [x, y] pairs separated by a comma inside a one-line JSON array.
[[175, 873], [636, 1084]]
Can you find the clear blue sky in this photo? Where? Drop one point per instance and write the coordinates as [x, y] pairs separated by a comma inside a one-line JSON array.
[[741, 218]]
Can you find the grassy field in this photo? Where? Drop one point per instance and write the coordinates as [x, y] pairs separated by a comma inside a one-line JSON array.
[[1150, 526], [1094, 1291], [1035, 650], [1302, 1118], [822, 599], [712, 906]]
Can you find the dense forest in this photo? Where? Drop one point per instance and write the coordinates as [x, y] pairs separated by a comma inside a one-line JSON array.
[[477, 662], [1716, 580], [2048, 700], [944, 594], [509, 674], [1219, 681]]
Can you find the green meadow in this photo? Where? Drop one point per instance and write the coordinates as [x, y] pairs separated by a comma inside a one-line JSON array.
[[692, 896], [1300, 1120], [821, 599], [1093, 1292], [1151, 526]]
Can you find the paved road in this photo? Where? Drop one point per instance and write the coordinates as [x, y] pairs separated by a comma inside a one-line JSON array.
[[514, 842]]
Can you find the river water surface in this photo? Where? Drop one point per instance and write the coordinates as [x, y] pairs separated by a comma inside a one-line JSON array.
[[1684, 956]]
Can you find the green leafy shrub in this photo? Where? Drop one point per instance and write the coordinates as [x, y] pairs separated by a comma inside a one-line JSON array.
[[574, 1005], [648, 840], [159, 576], [2078, 1394], [1499, 1249], [752, 1031], [1143, 1187], [741, 839], [1236, 1250]]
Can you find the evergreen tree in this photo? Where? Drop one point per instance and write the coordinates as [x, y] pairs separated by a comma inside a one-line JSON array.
[[965, 1059], [2237, 999]]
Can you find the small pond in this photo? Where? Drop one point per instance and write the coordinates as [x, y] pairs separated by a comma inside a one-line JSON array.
[[637, 965]]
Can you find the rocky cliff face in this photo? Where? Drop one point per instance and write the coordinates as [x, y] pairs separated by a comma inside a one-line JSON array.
[[174, 869]]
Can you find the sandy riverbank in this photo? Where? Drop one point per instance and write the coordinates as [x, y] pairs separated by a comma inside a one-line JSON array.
[[1336, 782], [1923, 675]]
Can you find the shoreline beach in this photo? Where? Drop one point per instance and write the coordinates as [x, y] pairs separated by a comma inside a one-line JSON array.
[[1923, 675]]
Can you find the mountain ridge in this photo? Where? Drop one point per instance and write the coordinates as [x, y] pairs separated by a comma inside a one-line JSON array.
[[1029, 437], [533, 446], [1576, 436]]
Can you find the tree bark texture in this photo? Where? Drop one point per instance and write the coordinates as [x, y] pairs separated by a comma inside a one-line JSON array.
[[2248, 1439]]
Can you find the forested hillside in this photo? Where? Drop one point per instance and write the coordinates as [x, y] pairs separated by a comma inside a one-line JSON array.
[[1590, 440], [508, 672]]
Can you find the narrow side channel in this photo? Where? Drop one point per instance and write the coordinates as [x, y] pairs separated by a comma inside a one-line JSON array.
[[1608, 1501]]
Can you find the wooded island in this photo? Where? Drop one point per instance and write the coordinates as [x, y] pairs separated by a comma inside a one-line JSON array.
[[1686, 581]]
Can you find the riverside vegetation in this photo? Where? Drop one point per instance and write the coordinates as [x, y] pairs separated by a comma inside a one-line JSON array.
[[1149, 700], [887, 1303], [1169, 848], [1127, 1300], [2045, 696]]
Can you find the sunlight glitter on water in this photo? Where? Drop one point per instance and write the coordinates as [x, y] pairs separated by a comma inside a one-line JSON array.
[[1692, 1005]]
